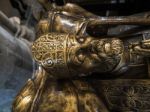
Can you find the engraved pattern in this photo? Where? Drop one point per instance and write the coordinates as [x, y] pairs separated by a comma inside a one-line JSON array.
[[50, 52], [128, 95]]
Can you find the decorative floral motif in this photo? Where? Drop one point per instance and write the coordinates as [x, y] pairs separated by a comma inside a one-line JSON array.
[[132, 97], [128, 95]]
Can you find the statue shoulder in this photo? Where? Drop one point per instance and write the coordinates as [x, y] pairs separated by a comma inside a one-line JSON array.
[[25, 99]]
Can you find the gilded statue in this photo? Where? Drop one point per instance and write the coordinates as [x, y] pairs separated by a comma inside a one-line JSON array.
[[78, 72]]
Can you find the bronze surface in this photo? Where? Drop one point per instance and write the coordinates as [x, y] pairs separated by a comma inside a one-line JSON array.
[[68, 57]]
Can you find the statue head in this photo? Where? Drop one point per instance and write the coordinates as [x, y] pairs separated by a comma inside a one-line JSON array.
[[65, 55]]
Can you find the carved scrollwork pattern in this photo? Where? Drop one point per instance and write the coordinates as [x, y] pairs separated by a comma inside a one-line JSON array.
[[50, 52]]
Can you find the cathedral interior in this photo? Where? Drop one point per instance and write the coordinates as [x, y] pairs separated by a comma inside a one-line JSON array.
[[120, 80]]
